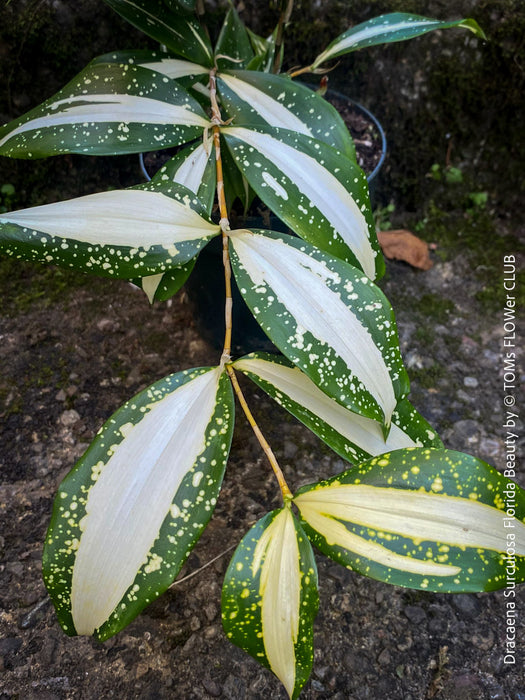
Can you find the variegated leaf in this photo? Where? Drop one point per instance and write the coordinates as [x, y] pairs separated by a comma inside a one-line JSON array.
[[122, 233], [188, 5], [384, 29], [107, 109], [129, 513], [317, 191], [353, 437], [259, 43], [436, 520], [174, 68], [264, 49], [164, 285], [194, 167], [270, 599], [261, 98], [233, 48], [326, 316], [179, 32]]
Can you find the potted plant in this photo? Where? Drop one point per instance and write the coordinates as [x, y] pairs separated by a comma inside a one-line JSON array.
[[409, 512]]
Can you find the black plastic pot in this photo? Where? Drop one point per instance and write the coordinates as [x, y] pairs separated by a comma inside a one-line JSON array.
[[205, 286], [205, 289]]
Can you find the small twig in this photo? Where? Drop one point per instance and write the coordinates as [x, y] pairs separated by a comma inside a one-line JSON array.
[[294, 72], [201, 568], [300, 71], [449, 152]]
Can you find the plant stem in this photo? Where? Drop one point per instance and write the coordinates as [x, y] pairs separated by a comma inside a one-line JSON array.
[[225, 228], [286, 493], [284, 18], [224, 222], [300, 71]]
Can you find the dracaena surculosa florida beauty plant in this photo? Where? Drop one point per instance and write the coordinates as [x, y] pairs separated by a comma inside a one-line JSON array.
[[406, 510]]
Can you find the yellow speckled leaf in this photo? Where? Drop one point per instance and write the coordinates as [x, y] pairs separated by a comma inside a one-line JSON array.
[[129, 513], [425, 518], [269, 598]]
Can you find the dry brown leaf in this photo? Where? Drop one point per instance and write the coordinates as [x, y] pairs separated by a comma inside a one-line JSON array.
[[403, 245]]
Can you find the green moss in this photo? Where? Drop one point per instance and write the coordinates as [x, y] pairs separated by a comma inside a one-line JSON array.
[[493, 295], [10, 400], [482, 240], [425, 335], [434, 307], [429, 377], [41, 375], [26, 286]]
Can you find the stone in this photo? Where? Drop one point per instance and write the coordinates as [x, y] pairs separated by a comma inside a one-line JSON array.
[[466, 432], [462, 687], [211, 688], [490, 447], [31, 618], [69, 417], [107, 325], [234, 688], [10, 645], [415, 614], [384, 658], [467, 605], [485, 642]]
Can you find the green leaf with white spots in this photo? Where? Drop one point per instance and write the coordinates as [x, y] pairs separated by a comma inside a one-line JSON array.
[[353, 437], [194, 167], [164, 285], [235, 184], [187, 5], [326, 316], [317, 191], [397, 26], [107, 109], [158, 61], [259, 43], [270, 599], [436, 520], [129, 513], [264, 49], [131, 233], [178, 31], [233, 48], [261, 98]]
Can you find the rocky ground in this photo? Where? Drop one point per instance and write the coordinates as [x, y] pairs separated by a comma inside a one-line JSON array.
[[73, 349]]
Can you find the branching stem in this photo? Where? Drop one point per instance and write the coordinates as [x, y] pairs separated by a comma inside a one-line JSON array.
[[224, 222], [226, 352], [301, 71], [287, 494]]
